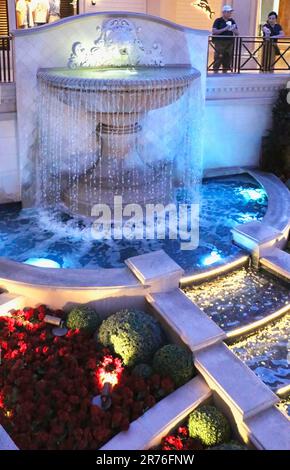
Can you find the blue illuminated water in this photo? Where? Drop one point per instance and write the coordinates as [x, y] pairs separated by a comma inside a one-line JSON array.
[[58, 236], [267, 353]]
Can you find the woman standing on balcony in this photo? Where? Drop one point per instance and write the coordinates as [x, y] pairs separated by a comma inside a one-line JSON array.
[[272, 31]]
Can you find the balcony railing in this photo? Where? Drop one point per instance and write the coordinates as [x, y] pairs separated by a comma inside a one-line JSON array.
[[6, 59], [248, 54], [236, 55]]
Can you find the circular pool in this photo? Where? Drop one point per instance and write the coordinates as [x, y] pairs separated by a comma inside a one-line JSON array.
[[68, 240]]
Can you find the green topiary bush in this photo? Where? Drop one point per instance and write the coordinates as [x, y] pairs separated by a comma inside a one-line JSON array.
[[275, 155], [83, 318], [209, 425], [176, 362], [233, 445], [143, 370], [133, 334]]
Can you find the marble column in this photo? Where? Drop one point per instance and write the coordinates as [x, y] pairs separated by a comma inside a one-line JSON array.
[[246, 15], [11, 14]]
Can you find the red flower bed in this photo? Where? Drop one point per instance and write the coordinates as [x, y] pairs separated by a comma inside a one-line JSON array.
[[47, 385], [180, 440]]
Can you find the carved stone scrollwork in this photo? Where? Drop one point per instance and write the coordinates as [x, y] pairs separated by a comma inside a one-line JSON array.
[[118, 44]]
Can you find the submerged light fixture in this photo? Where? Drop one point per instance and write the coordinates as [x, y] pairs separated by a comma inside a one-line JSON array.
[[42, 263], [251, 194], [213, 258]]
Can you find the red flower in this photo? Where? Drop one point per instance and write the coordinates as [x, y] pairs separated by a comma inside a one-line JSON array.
[[4, 345], [2, 404], [117, 418], [172, 443], [149, 401], [10, 325], [155, 380], [167, 385], [43, 336], [125, 424], [22, 347], [47, 385], [45, 349], [74, 399], [183, 431], [28, 314], [58, 429]]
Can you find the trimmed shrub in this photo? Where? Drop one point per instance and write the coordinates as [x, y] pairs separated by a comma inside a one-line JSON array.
[[174, 361], [233, 445], [83, 318], [209, 425], [132, 334], [275, 155], [143, 370]]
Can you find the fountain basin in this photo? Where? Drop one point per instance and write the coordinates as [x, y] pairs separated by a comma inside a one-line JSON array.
[[118, 101], [128, 90]]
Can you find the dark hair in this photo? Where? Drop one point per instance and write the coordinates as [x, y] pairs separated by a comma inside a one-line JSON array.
[[273, 13]]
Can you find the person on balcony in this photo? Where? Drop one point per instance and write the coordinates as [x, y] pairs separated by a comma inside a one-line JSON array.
[[54, 11], [224, 30], [24, 14], [40, 11], [272, 31]]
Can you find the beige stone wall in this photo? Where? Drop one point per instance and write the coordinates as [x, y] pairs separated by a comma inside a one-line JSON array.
[[138, 6], [188, 13], [284, 16]]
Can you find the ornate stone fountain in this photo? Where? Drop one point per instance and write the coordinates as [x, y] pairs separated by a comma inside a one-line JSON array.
[[118, 99]]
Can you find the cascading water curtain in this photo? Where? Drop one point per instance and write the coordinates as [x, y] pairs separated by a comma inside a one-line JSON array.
[[142, 144], [172, 142], [68, 147]]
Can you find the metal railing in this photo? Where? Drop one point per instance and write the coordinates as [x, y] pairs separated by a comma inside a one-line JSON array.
[[248, 54], [236, 55], [6, 59]]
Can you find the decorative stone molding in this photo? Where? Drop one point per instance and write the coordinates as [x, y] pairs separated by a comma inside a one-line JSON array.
[[244, 87], [118, 44]]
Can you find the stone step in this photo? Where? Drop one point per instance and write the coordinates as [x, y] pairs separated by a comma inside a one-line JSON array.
[[269, 430], [156, 270], [233, 381], [191, 324], [10, 302], [277, 262], [148, 430], [257, 238]]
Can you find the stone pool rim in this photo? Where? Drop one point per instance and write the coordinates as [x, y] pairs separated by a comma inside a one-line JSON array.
[[123, 278], [53, 77]]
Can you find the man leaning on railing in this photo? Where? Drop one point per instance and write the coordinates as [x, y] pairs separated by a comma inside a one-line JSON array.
[[226, 28], [272, 31]]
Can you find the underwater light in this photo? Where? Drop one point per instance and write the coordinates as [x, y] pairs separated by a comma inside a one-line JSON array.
[[253, 194], [213, 258], [42, 263]]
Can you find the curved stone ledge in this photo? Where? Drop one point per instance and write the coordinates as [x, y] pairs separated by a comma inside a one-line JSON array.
[[110, 14], [66, 279], [199, 277], [278, 212], [235, 335], [283, 392]]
